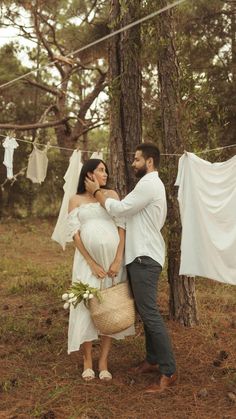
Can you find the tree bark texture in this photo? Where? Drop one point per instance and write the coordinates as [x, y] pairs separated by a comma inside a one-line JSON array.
[[229, 138], [182, 301], [125, 94]]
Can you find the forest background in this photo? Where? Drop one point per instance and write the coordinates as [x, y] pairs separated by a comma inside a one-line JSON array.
[[78, 92], [171, 80]]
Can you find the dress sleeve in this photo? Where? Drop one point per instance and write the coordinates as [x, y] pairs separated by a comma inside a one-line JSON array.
[[72, 224]]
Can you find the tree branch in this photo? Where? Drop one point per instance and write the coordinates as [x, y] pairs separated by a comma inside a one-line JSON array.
[[87, 102], [47, 111], [34, 126], [93, 127], [45, 20], [43, 87], [85, 105], [45, 43]]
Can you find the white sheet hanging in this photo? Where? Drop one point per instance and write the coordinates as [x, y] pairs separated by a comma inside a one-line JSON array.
[[70, 187], [9, 144], [207, 200]]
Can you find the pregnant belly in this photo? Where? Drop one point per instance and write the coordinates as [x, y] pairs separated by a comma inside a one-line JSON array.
[[101, 241]]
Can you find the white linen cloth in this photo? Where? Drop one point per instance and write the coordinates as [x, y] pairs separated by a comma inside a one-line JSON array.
[[144, 209], [71, 178], [100, 237], [9, 144], [207, 201], [37, 165]]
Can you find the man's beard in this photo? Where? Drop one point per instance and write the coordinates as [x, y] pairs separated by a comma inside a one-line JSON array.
[[142, 171]]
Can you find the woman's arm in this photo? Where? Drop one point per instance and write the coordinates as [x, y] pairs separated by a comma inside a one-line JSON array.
[[116, 264]]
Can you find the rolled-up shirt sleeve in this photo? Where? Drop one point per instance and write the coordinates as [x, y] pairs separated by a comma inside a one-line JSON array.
[[120, 222], [135, 201]]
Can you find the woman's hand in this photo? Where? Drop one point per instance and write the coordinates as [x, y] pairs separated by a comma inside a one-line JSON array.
[[114, 268], [97, 270]]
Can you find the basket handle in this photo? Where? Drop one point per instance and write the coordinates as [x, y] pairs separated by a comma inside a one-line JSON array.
[[102, 283]]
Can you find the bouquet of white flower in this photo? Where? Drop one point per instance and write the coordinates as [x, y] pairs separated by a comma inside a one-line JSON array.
[[79, 292]]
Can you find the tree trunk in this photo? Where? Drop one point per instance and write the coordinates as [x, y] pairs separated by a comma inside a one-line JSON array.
[[125, 94], [182, 290], [229, 138]]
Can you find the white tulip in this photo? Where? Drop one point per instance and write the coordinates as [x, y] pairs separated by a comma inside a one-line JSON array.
[[85, 296], [65, 296], [90, 296], [71, 295], [87, 292], [71, 300], [66, 306]]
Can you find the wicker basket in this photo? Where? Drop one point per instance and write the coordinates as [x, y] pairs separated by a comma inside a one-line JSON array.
[[116, 310]]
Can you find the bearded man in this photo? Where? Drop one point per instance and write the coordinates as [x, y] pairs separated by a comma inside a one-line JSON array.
[[145, 211]]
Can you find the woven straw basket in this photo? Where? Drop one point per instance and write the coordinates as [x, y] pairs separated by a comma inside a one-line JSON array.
[[116, 310]]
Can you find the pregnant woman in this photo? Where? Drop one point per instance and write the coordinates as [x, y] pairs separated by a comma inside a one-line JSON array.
[[99, 241]]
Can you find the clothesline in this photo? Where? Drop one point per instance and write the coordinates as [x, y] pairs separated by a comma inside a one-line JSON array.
[[106, 152], [35, 143], [104, 38]]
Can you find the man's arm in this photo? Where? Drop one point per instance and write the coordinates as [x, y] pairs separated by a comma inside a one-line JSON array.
[[136, 200]]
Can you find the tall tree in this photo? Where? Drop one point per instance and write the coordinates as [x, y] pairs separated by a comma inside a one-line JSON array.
[[69, 92], [125, 92], [182, 289]]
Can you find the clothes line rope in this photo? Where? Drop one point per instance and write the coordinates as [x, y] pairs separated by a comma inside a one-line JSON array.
[[216, 149], [106, 152], [104, 38], [49, 146]]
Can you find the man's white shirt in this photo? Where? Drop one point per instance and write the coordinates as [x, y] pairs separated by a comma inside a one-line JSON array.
[[145, 212]]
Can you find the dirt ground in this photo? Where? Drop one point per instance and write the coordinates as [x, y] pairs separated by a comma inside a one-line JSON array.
[[39, 380]]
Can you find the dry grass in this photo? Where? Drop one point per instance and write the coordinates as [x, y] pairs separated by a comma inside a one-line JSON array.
[[39, 380]]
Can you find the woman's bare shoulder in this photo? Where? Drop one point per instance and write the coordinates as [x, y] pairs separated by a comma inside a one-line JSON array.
[[75, 198], [75, 201]]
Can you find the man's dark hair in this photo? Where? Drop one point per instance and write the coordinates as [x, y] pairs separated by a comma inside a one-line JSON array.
[[150, 150], [89, 166]]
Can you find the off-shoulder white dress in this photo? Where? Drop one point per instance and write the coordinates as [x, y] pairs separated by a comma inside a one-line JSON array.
[[99, 234]]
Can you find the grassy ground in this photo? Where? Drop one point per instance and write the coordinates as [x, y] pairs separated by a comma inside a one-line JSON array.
[[39, 380]]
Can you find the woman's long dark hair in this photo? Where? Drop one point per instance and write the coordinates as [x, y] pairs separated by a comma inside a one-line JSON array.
[[89, 166]]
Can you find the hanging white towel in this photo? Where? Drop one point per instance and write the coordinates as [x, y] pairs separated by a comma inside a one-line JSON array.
[[9, 144], [207, 200], [71, 178], [37, 165]]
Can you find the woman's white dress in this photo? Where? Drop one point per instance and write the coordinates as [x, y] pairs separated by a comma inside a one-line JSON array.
[[99, 234]]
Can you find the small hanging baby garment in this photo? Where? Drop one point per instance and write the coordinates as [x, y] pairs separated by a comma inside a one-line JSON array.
[[9, 144], [37, 165]]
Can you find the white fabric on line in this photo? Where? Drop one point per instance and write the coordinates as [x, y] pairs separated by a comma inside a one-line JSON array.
[[207, 200], [37, 165], [9, 144]]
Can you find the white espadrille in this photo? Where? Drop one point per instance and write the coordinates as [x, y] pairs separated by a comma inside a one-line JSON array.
[[105, 375], [88, 374]]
